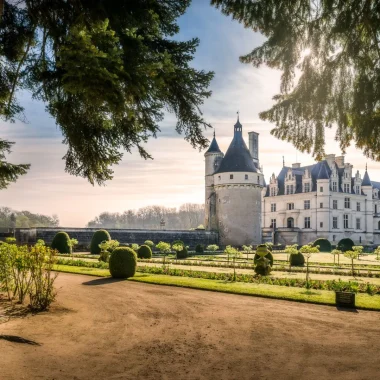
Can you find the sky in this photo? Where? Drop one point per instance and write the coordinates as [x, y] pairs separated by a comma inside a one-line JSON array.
[[176, 175]]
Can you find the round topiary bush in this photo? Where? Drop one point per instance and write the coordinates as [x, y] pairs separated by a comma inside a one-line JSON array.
[[297, 259], [61, 242], [324, 245], [345, 245], [261, 249], [199, 248], [182, 254], [144, 252], [123, 262], [97, 238], [149, 243]]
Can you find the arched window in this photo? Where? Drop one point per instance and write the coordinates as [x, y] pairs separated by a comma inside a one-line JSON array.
[[290, 223]]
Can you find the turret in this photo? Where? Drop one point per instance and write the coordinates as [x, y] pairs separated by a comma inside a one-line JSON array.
[[213, 158], [367, 190]]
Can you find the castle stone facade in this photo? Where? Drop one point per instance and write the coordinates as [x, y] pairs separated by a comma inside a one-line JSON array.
[[233, 190]]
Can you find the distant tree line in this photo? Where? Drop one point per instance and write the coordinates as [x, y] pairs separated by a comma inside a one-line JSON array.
[[187, 216], [14, 219]]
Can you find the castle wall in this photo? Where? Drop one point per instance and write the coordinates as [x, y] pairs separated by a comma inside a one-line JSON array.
[[84, 235], [238, 207]]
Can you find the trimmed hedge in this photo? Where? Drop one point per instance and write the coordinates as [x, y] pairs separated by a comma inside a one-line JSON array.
[[182, 254], [268, 256], [61, 242], [199, 248], [297, 259], [324, 245], [345, 245], [123, 262], [144, 252], [263, 267], [97, 238]]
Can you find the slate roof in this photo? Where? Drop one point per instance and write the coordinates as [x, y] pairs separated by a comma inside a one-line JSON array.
[[320, 170], [214, 147], [366, 181], [237, 158]]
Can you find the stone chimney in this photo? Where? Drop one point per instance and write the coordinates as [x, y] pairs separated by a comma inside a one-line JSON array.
[[330, 158], [340, 161]]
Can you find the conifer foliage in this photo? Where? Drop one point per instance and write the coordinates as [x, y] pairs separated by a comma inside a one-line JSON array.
[[335, 45], [106, 70]]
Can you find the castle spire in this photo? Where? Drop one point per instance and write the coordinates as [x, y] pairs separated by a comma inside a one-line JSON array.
[[366, 180]]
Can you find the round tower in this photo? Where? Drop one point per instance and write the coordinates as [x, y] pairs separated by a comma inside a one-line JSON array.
[[213, 158], [238, 184]]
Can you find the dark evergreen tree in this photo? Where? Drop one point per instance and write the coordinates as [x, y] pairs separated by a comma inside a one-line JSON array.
[[106, 70], [335, 45]]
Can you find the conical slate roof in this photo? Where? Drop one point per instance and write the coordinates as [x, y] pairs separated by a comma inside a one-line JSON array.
[[366, 181], [237, 158], [214, 147], [323, 171]]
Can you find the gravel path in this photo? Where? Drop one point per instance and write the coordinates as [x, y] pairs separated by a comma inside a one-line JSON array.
[[107, 329]]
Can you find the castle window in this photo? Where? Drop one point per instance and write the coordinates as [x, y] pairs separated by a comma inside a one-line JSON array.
[[347, 203], [273, 207], [334, 187], [321, 189], [272, 191], [273, 224], [357, 206], [334, 237], [335, 222], [258, 179], [290, 206], [375, 209], [219, 177], [378, 225], [358, 223], [307, 187], [335, 204], [306, 205], [246, 176], [231, 176], [357, 189], [321, 224], [345, 221], [307, 222], [321, 205], [346, 188]]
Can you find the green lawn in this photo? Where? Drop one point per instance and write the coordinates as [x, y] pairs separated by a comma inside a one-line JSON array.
[[363, 301]]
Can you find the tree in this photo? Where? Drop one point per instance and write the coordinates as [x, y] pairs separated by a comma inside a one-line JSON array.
[[234, 253], [329, 54], [290, 249], [377, 252], [308, 250], [352, 255], [164, 248], [358, 249], [336, 252], [247, 249], [106, 70]]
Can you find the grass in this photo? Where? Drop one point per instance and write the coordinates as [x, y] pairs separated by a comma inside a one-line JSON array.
[[324, 297]]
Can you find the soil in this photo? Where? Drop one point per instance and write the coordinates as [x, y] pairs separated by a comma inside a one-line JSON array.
[[108, 329]]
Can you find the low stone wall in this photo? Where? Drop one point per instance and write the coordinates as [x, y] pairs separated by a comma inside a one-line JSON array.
[[84, 235]]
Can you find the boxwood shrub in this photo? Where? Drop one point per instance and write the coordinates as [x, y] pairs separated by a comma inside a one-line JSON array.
[[123, 262], [199, 248], [297, 259], [268, 256], [144, 252], [97, 238], [324, 245], [345, 245], [182, 254], [61, 242]]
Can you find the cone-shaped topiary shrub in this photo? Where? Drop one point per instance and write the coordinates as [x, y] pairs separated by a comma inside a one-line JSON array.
[[297, 259], [97, 238], [262, 267], [61, 242], [261, 249], [199, 248], [324, 245], [123, 262], [144, 252], [182, 254], [345, 245]]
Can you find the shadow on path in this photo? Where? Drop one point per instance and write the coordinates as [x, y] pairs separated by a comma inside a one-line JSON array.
[[102, 281], [18, 339], [347, 309]]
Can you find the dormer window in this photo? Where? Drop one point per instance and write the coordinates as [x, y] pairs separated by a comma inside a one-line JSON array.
[[307, 188], [346, 188], [335, 186]]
